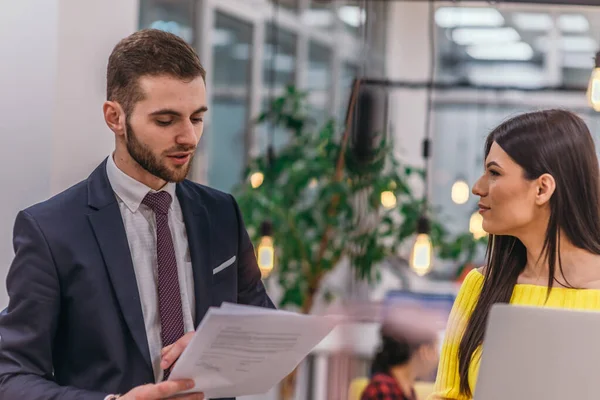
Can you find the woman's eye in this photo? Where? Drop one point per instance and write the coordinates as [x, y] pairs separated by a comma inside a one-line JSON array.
[[494, 173]]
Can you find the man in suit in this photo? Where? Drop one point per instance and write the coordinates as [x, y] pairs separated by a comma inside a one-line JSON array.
[[109, 275]]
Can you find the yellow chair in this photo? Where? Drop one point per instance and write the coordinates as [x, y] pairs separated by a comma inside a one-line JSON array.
[[358, 385]]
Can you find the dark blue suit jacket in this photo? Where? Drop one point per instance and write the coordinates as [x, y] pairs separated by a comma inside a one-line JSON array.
[[74, 328]]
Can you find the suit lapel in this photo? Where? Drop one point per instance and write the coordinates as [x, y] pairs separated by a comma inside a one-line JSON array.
[[108, 227], [197, 226]]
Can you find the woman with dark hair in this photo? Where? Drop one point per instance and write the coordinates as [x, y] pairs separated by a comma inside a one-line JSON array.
[[396, 367], [540, 202]]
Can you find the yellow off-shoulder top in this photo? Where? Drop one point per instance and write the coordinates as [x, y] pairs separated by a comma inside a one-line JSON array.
[[448, 380]]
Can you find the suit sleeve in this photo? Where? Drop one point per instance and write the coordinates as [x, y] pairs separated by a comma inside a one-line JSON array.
[[29, 324], [251, 290]]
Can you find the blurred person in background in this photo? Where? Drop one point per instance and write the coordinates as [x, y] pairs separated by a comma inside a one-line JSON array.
[[109, 275], [398, 364], [540, 202]]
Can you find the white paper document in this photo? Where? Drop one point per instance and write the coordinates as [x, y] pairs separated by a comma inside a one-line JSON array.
[[242, 350]]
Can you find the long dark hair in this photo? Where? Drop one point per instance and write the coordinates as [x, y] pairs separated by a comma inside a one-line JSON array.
[[559, 143]]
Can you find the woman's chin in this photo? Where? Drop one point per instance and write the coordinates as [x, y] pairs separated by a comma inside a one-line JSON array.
[[497, 232], [490, 228]]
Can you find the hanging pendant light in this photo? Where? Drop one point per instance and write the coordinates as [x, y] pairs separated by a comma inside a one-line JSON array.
[[421, 256], [257, 179], [388, 199], [593, 92], [422, 252], [265, 252], [460, 191], [476, 226]]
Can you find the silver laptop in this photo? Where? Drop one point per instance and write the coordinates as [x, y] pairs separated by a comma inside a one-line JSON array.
[[540, 354]]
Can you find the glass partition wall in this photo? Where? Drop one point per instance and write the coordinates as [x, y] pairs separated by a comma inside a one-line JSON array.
[[252, 50]]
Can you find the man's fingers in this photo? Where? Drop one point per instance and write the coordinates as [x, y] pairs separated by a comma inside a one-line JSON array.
[[170, 388], [165, 350], [171, 355], [172, 352]]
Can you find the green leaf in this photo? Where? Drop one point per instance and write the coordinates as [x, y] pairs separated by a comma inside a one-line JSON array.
[[292, 296]]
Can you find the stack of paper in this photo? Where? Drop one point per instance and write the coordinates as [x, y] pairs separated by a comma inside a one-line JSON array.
[[243, 350]]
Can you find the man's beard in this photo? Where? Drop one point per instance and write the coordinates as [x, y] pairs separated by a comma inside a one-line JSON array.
[[152, 163]]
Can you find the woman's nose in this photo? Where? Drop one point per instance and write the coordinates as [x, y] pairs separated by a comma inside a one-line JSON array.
[[478, 188]]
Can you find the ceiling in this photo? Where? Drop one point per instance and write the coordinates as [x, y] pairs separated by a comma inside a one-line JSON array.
[[551, 2], [518, 33]]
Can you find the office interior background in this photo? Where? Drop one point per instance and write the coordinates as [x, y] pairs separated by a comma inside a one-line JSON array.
[[489, 60]]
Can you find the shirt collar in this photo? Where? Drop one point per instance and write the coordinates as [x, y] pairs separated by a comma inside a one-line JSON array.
[[129, 190]]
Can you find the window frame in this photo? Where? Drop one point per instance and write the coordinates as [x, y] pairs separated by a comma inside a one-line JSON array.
[[345, 48]]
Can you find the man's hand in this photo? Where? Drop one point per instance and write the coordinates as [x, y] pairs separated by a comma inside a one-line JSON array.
[[163, 390], [171, 353]]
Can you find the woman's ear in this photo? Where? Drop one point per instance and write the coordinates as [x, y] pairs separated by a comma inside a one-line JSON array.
[[545, 187]]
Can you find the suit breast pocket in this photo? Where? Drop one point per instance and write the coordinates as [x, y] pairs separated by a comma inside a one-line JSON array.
[[225, 281], [225, 269]]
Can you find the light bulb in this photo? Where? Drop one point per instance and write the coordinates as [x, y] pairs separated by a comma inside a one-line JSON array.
[[460, 192], [388, 199], [593, 92], [421, 256], [265, 252], [422, 252], [476, 226], [266, 256], [256, 179]]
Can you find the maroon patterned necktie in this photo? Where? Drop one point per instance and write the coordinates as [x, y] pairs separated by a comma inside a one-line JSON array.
[[169, 296]]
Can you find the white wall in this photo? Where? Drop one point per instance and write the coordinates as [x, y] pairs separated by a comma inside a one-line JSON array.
[[87, 33], [408, 59], [52, 77], [27, 80]]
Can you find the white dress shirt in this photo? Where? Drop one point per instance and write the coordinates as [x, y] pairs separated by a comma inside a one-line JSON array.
[[140, 226]]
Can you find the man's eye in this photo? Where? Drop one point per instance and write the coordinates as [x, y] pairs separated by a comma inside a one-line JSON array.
[[197, 120], [163, 123]]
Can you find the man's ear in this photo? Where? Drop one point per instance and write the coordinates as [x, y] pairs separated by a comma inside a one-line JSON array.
[[115, 117], [545, 186]]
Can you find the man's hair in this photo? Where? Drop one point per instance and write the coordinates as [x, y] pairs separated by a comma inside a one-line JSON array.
[[149, 52]]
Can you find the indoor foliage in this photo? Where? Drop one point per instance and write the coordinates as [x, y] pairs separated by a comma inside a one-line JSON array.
[[311, 196]]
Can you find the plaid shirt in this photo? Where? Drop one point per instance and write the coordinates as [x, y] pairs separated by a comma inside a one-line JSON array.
[[385, 387]]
